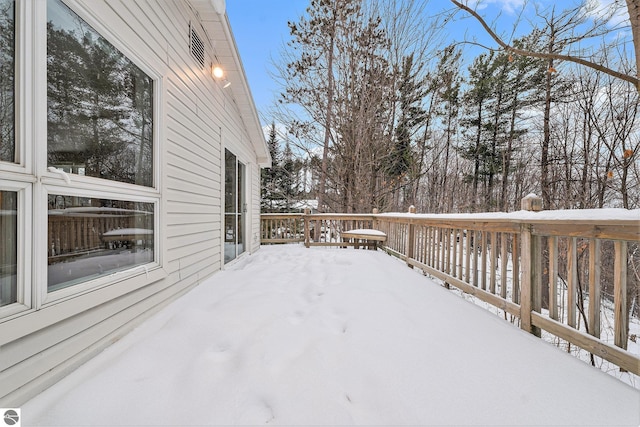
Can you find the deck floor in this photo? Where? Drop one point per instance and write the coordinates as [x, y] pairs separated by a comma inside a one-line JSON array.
[[330, 336]]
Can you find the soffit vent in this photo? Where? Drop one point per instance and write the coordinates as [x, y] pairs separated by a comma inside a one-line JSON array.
[[197, 47]]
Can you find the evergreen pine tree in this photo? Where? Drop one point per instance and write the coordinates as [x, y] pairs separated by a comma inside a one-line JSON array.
[[271, 178]]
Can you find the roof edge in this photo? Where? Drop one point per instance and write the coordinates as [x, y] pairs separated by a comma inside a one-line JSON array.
[[262, 149]]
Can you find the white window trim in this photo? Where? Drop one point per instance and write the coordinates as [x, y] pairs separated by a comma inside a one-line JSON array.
[[23, 267], [30, 178], [84, 186], [22, 89], [45, 297], [41, 102], [31, 96]]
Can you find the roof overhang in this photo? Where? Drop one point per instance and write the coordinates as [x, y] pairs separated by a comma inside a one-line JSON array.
[[213, 17]]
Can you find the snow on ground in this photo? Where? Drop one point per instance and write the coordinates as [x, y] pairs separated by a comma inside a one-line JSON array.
[[330, 336]]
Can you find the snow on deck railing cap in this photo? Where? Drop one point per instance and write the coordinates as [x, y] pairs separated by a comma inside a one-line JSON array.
[[602, 215], [531, 202]]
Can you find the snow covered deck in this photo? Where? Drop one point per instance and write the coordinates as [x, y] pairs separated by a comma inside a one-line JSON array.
[[331, 336]]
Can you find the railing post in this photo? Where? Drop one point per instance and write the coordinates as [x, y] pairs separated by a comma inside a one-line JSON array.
[[531, 285], [374, 223], [411, 236], [307, 232]]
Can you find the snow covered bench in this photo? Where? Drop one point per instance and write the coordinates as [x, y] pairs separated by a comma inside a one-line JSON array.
[[369, 236]]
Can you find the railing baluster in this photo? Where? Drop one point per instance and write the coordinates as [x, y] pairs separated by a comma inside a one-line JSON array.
[[411, 235], [454, 254], [420, 249], [427, 245], [476, 245], [621, 318], [515, 264], [483, 259], [553, 277], [467, 264], [447, 267], [572, 281], [493, 261], [440, 249], [437, 247], [460, 251], [433, 249], [503, 265], [595, 260]]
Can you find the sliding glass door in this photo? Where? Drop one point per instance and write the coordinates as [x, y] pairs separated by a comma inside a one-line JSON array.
[[235, 207]]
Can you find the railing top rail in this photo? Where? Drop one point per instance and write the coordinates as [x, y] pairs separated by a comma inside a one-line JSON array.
[[584, 216], [282, 214], [340, 216], [614, 224]]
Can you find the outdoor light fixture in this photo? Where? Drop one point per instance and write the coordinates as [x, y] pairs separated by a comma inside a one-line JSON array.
[[217, 72]]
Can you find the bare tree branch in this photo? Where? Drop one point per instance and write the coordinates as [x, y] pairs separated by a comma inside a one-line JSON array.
[[634, 10]]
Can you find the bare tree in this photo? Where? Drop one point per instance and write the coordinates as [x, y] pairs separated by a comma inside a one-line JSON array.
[[310, 73]]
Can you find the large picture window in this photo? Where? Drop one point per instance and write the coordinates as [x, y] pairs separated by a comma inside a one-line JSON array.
[[7, 81], [99, 104], [89, 238], [99, 125]]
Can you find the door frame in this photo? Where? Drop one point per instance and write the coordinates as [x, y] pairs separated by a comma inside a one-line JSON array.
[[240, 212]]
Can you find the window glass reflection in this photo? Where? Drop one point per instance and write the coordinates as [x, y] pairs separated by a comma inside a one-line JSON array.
[[99, 104], [89, 238], [7, 85], [8, 247]]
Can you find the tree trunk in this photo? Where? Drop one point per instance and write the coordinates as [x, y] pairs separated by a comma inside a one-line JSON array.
[[476, 162], [506, 157], [544, 157], [633, 6], [327, 124]]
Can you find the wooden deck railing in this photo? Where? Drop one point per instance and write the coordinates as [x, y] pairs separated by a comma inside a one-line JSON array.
[[281, 228], [552, 275]]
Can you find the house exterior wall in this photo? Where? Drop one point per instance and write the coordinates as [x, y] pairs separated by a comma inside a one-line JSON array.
[[255, 208], [41, 340]]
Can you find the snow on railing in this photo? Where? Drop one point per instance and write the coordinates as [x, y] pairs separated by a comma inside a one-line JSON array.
[[570, 275]]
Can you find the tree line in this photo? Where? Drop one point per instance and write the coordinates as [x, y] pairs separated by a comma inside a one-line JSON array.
[[381, 110]]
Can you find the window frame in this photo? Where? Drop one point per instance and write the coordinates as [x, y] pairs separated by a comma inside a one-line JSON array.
[[87, 186], [23, 258], [240, 213], [29, 175], [20, 89], [129, 53], [47, 297], [17, 176]]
